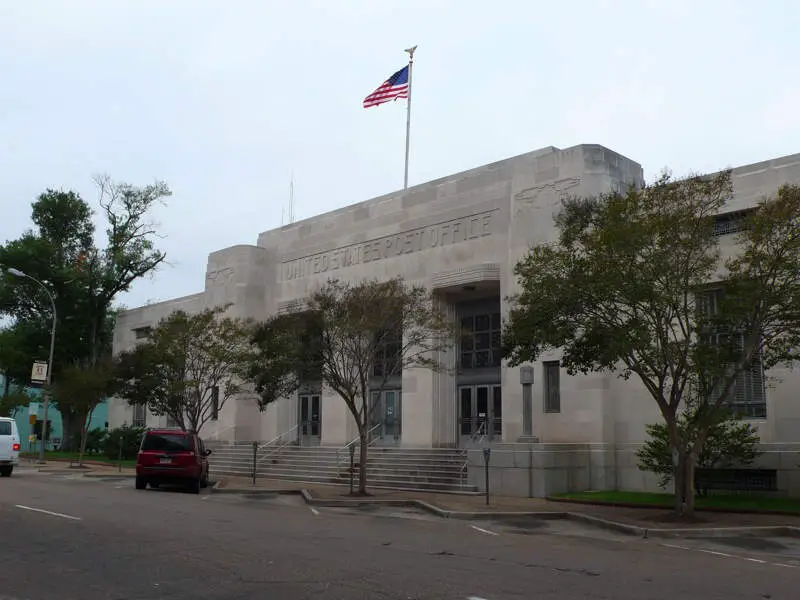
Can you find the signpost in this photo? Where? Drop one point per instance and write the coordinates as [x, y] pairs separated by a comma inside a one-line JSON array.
[[486, 454]]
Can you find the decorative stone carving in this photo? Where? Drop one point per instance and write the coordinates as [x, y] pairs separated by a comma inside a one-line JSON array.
[[220, 276], [526, 199]]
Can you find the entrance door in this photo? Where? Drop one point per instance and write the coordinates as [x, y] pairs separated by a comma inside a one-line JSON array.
[[310, 420], [387, 417], [480, 416]]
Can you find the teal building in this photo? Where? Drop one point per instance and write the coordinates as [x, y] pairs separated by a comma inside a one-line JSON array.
[[36, 407]]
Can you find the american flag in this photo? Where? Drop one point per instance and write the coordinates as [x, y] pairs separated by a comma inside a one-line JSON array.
[[393, 88]]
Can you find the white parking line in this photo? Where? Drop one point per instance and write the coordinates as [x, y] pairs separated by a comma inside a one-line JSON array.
[[486, 531], [48, 512], [725, 555], [314, 510]]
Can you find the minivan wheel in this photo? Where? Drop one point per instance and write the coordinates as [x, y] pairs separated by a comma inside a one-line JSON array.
[[194, 486], [6, 471], [141, 482]]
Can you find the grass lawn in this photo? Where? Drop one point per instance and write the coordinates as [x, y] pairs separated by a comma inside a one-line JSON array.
[[101, 458], [741, 501]]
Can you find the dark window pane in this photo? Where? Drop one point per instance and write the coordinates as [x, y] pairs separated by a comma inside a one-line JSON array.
[[466, 342], [5, 427], [497, 358], [496, 340], [496, 320], [165, 442], [482, 341], [482, 359], [466, 323], [482, 323], [466, 360]]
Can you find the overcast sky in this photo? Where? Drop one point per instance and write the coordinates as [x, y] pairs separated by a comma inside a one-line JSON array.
[[222, 99]]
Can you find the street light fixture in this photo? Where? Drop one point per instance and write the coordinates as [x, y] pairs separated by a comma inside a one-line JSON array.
[[18, 273]]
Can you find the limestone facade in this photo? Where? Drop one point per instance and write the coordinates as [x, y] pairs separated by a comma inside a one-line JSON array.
[[461, 236]]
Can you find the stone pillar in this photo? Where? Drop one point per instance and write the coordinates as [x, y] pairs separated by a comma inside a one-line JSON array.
[[443, 392]]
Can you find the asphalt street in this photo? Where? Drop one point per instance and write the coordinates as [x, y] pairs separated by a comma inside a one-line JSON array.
[[73, 538]]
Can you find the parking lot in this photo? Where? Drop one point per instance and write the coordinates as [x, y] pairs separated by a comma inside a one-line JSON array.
[[101, 538]]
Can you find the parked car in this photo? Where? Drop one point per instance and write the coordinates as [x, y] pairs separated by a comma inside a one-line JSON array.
[[9, 446], [170, 456]]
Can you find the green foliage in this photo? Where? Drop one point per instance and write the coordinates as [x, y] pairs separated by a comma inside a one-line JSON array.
[[13, 402], [729, 443], [189, 366], [624, 290], [278, 365], [125, 437], [95, 441], [84, 278]]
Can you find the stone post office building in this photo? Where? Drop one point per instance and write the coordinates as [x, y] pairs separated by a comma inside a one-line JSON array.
[[461, 236]]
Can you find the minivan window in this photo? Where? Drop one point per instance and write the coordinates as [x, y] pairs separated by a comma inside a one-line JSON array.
[[5, 427], [167, 442]]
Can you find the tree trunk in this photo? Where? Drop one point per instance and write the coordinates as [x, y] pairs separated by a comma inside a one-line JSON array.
[[70, 426], [362, 460], [6, 385], [689, 468], [84, 435]]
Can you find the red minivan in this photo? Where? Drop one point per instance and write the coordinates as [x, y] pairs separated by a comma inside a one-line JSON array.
[[172, 456]]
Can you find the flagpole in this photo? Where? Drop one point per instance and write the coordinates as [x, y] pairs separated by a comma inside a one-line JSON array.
[[408, 112]]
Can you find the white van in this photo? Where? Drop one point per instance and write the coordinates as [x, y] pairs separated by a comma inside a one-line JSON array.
[[9, 446]]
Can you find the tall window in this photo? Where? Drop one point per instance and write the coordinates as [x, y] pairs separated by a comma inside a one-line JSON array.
[[748, 396], [388, 359], [552, 386], [139, 415], [480, 341], [731, 222], [142, 332]]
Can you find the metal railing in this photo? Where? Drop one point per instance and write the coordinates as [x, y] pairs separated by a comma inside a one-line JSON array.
[[352, 443], [274, 446]]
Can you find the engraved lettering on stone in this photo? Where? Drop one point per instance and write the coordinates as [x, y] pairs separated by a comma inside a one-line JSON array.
[[220, 276], [472, 227]]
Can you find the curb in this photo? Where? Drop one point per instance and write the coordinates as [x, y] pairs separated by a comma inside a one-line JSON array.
[[707, 509], [623, 528], [218, 488]]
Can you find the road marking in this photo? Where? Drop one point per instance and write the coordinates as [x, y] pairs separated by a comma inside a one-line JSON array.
[[314, 510], [206, 497], [48, 512], [486, 531], [725, 555], [475, 598]]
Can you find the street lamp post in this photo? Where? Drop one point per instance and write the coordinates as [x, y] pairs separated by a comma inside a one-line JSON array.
[[18, 273]]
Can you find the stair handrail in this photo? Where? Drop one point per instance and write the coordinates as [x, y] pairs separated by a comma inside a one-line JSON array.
[[215, 436], [481, 431], [271, 447], [355, 440]]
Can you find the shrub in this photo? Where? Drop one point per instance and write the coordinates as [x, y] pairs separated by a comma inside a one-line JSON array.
[[730, 443], [127, 438]]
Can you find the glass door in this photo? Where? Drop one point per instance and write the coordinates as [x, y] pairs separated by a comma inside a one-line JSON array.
[[310, 420], [386, 419], [480, 417]]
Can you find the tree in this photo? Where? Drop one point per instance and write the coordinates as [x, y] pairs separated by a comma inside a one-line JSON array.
[[637, 285], [84, 279], [84, 387], [356, 336], [729, 443], [12, 401], [188, 367]]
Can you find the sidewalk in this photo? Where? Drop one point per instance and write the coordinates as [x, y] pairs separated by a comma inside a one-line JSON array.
[[645, 518], [89, 469]]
